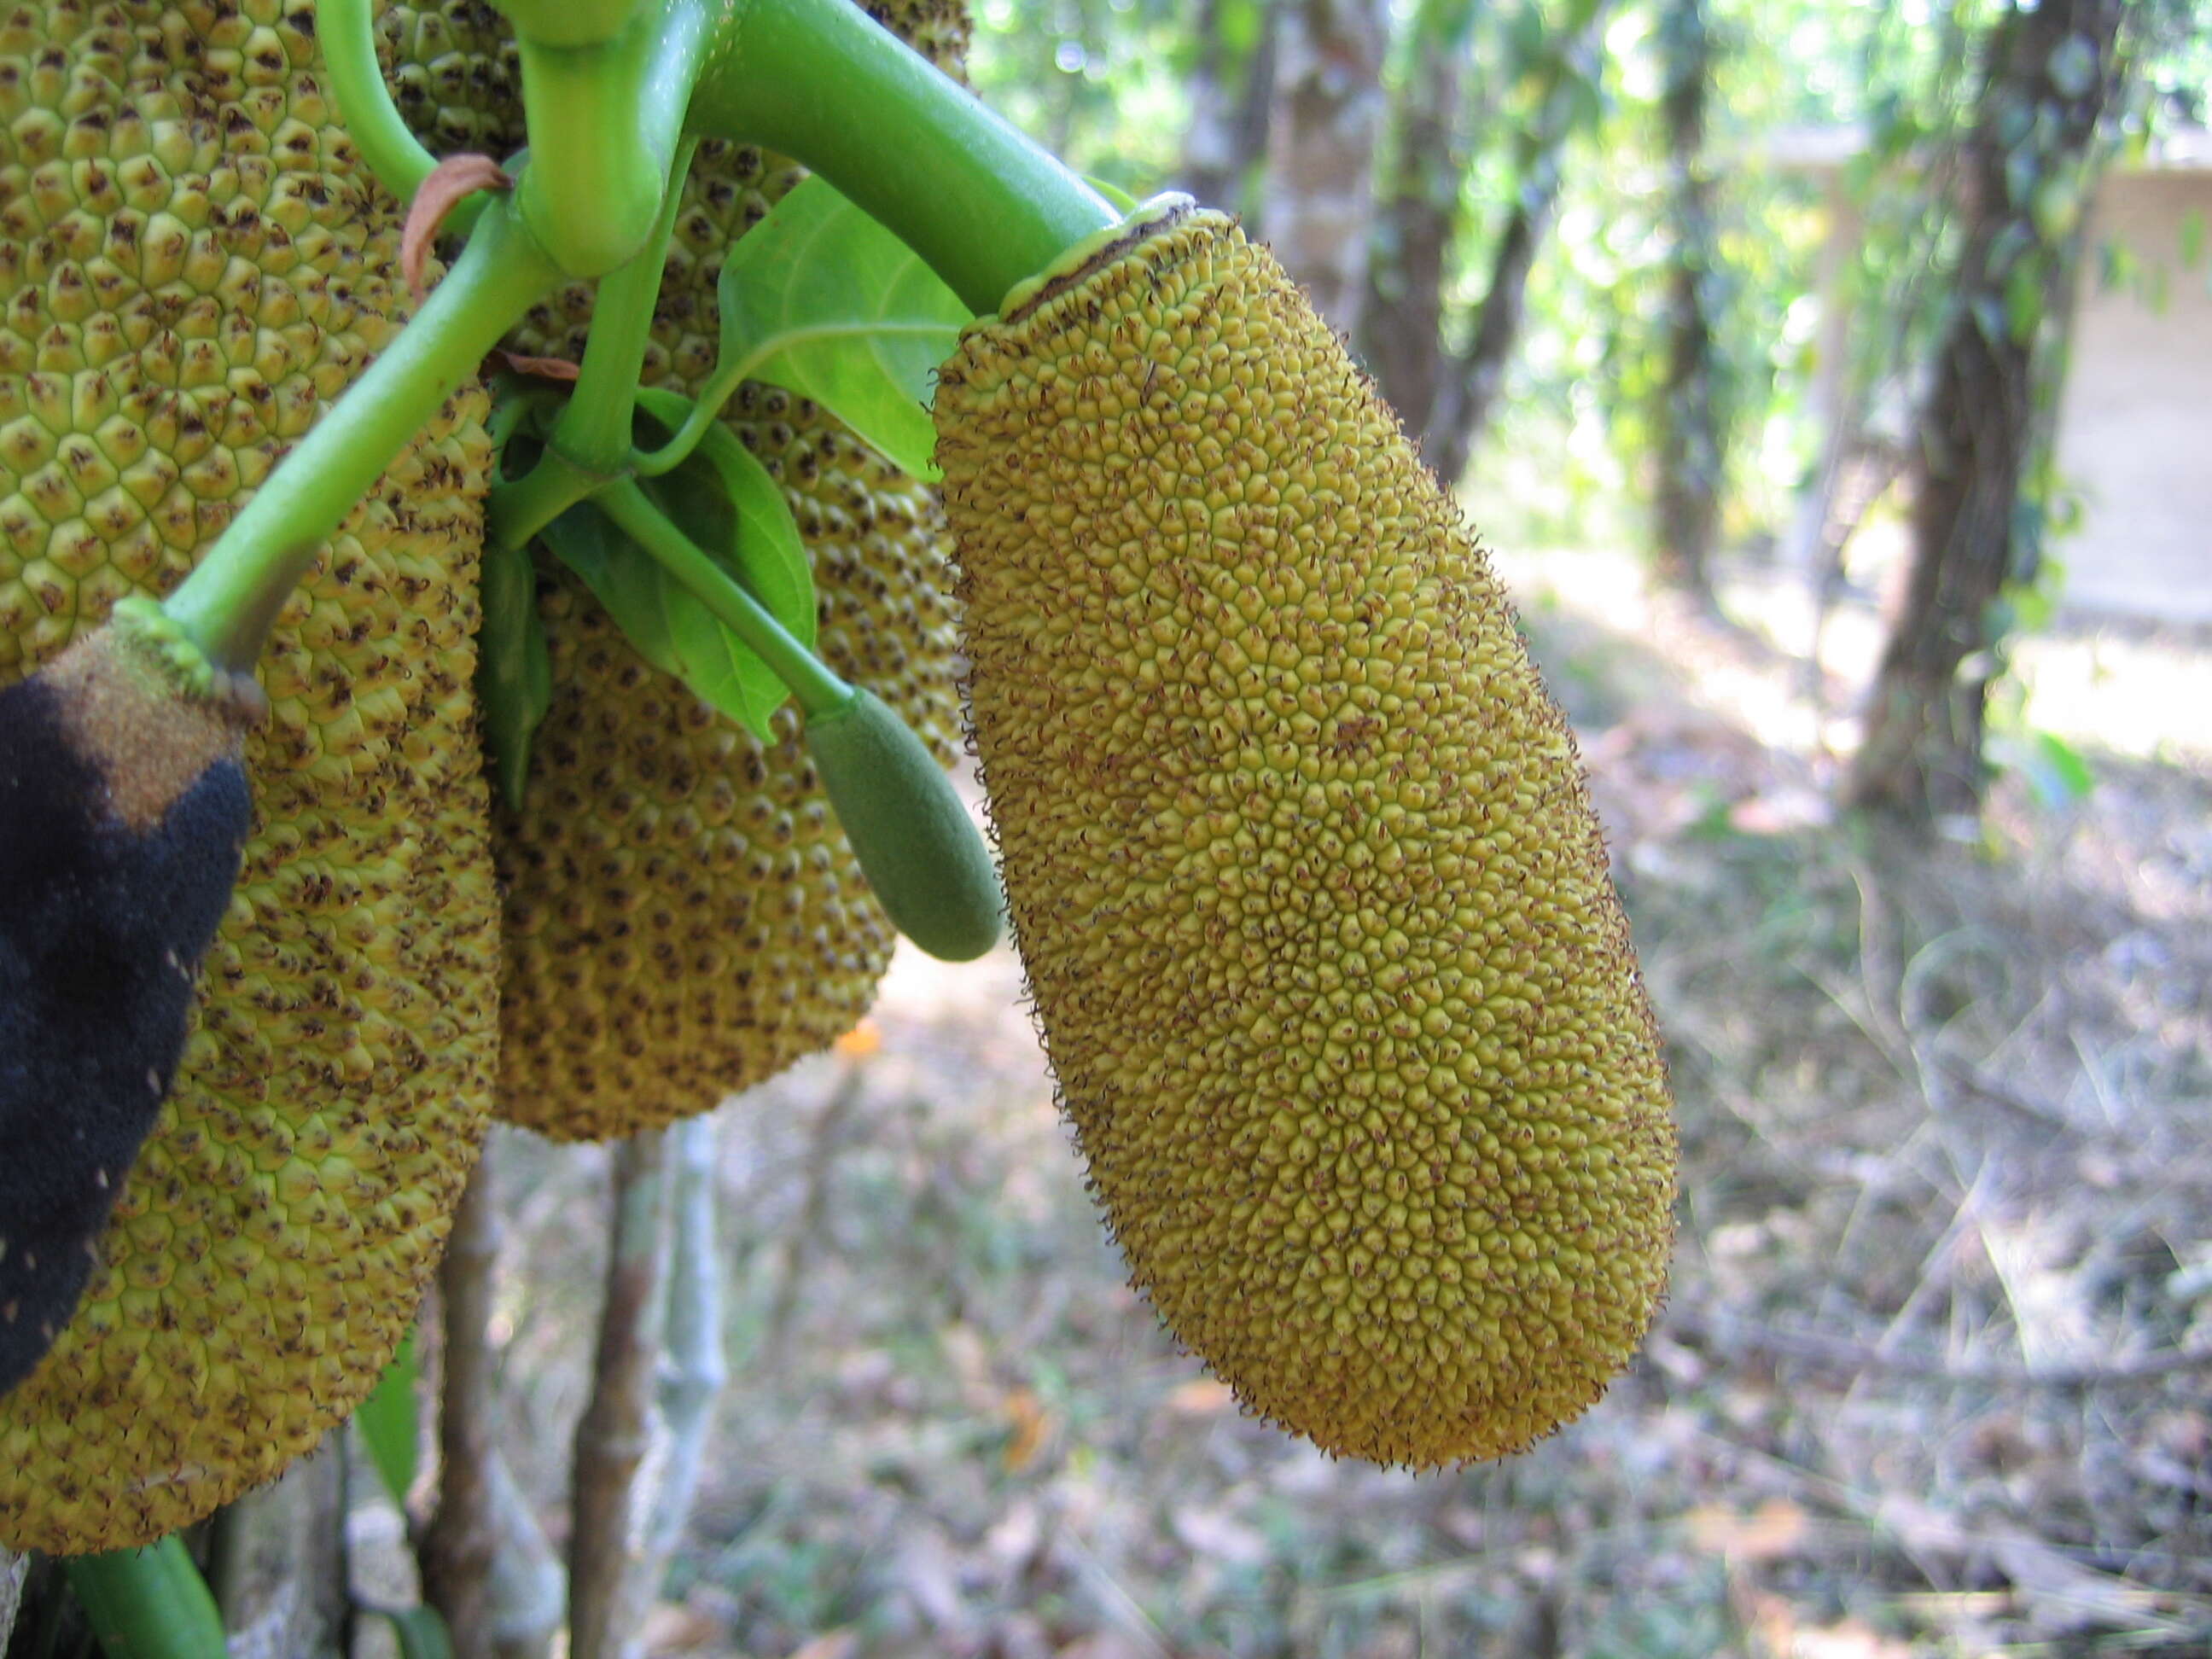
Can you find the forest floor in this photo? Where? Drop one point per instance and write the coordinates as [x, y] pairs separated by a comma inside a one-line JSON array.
[[1922, 1386]]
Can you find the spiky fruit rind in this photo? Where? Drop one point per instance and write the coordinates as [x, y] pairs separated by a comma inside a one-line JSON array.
[[192, 268], [1314, 910], [684, 915]]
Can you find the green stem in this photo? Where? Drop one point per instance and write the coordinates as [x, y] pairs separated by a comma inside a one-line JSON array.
[[819, 691], [595, 430], [393, 154], [516, 511], [976, 200], [148, 1604], [604, 119], [226, 606], [571, 23]]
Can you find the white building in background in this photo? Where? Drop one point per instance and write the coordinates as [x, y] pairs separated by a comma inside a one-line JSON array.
[[2135, 427]]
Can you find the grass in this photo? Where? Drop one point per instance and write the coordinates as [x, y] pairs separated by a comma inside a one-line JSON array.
[[1942, 1118]]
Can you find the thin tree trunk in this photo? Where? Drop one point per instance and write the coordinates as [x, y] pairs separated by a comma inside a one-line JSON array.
[[1327, 116], [1467, 389], [1688, 494], [277, 1563], [2051, 74], [1417, 209], [609, 1506], [1230, 95], [486, 1567]]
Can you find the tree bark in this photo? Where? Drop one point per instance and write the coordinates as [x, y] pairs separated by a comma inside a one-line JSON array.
[[1687, 497], [277, 1563], [1327, 115], [486, 1567], [1416, 210], [1230, 95], [2051, 73], [609, 1491], [1468, 386]]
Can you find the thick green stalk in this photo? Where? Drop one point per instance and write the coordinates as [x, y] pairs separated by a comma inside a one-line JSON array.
[[605, 119], [572, 22], [819, 81], [148, 1604], [226, 606], [819, 691], [593, 431]]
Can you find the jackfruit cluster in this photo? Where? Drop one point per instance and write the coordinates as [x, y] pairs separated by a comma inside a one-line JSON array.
[[192, 267], [685, 914], [1315, 911]]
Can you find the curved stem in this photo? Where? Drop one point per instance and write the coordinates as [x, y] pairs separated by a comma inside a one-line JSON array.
[[976, 200], [819, 691], [372, 121], [593, 430], [226, 606]]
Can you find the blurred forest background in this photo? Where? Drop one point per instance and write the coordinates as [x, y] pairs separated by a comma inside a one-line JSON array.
[[1832, 382]]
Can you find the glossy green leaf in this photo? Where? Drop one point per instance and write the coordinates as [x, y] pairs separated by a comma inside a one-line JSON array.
[[723, 498], [820, 298], [149, 1603], [390, 1420], [514, 675]]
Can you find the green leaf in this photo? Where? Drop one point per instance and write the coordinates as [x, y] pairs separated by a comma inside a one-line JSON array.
[[388, 1417], [422, 1632], [820, 298], [148, 1603], [1115, 195], [2192, 238], [2023, 300], [514, 675], [723, 498]]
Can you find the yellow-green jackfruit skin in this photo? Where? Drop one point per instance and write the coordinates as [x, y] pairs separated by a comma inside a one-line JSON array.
[[1314, 909], [684, 917], [192, 267]]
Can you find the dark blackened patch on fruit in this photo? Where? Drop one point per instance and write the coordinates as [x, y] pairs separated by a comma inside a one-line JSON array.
[[100, 930]]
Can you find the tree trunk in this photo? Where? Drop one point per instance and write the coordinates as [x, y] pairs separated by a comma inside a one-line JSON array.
[[1327, 115], [1467, 387], [1687, 497], [1230, 94], [1416, 210], [2031, 157]]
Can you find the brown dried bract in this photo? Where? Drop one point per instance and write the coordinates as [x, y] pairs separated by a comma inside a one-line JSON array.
[[452, 179]]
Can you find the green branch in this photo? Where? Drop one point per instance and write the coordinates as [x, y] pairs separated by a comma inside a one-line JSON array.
[[226, 606], [817, 79]]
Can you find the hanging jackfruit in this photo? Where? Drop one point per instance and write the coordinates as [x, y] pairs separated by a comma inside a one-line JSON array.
[[192, 266], [1314, 909], [685, 914]]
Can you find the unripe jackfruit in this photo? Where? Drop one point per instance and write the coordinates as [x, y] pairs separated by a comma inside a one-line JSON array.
[[192, 266], [1315, 911], [685, 914]]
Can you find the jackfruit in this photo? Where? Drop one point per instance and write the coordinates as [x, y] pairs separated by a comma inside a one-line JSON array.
[[1316, 913], [192, 266], [684, 915]]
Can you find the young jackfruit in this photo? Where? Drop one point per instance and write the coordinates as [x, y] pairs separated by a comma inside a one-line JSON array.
[[684, 914], [192, 268], [1315, 911]]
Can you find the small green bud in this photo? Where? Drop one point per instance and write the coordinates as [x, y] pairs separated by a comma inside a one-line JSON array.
[[923, 855]]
